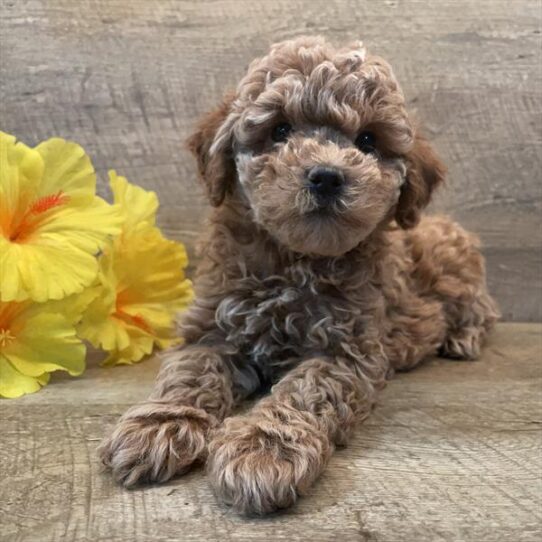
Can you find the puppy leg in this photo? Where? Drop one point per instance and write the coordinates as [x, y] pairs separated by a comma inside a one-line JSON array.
[[449, 269], [469, 324], [165, 435], [262, 461]]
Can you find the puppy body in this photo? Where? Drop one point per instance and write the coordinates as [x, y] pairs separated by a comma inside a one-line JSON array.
[[322, 297]]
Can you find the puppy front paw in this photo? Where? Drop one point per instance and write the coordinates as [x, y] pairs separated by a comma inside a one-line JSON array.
[[262, 462], [464, 343], [155, 441]]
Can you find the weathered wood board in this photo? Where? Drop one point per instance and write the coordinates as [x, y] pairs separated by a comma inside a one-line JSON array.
[[451, 453], [128, 78]]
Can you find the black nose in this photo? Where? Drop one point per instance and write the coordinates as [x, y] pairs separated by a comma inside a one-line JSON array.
[[325, 182]]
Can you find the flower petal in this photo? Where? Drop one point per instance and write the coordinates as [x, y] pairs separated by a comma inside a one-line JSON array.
[[71, 307], [67, 169], [43, 272], [21, 169], [14, 384], [98, 325], [138, 205], [86, 228], [150, 268], [133, 353], [46, 343]]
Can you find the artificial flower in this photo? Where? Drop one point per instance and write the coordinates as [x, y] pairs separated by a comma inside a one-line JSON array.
[[37, 339], [141, 283], [52, 224]]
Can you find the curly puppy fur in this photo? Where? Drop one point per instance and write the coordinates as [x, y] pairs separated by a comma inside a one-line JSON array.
[[322, 299]]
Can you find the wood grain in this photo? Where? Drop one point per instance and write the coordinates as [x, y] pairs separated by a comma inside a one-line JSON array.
[[127, 79], [451, 453]]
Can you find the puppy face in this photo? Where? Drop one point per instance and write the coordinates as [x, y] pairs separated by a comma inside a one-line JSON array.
[[318, 143]]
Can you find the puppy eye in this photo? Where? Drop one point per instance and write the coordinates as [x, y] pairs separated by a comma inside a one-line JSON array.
[[281, 132], [366, 142]]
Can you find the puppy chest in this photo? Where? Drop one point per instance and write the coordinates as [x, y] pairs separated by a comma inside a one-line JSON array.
[[276, 319]]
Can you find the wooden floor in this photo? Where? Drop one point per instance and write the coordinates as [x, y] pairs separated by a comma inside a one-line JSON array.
[[452, 453]]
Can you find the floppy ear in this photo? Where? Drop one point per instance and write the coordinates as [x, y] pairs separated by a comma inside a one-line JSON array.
[[211, 144], [425, 172]]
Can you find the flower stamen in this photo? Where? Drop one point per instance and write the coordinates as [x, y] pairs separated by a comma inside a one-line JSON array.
[[5, 337], [45, 203], [30, 219]]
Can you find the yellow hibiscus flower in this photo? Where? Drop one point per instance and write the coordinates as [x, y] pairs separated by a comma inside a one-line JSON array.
[[141, 283], [37, 339], [52, 224]]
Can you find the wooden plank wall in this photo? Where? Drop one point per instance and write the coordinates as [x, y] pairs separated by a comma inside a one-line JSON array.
[[128, 78]]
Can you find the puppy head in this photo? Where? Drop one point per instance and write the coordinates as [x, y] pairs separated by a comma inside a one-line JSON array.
[[318, 143]]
